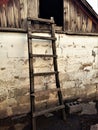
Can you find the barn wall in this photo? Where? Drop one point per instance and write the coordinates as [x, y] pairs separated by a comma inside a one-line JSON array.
[[14, 13], [10, 14], [76, 19], [14, 74], [77, 63]]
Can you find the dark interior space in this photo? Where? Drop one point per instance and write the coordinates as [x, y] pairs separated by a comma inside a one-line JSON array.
[[52, 8]]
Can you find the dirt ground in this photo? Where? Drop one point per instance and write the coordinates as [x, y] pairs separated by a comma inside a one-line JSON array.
[[85, 121], [56, 123], [73, 122]]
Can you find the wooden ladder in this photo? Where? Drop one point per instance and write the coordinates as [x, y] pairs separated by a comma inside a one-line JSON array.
[[33, 94]]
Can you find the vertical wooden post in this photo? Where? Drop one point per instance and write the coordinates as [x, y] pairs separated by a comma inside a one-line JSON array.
[[33, 8]]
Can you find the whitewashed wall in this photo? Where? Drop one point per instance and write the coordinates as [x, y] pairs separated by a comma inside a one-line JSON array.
[[14, 75], [77, 64]]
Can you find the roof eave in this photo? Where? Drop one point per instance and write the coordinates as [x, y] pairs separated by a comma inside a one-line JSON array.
[[85, 6]]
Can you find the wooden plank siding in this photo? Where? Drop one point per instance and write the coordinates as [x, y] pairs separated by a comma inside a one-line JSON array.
[[14, 14], [10, 14], [66, 14], [76, 20], [33, 8]]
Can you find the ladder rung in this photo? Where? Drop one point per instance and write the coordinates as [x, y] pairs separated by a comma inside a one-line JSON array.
[[35, 114], [43, 92], [41, 55], [41, 37], [45, 73], [40, 31], [41, 20]]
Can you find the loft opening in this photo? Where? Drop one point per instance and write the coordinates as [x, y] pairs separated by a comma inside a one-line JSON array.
[[51, 8]]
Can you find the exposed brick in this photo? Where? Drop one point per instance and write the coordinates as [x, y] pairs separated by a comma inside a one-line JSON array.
[[3, 113], [3, 94], [20, 91], [23, 99], [43, 97], [21, 109]]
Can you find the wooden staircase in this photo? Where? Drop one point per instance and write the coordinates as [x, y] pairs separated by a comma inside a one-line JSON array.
[[57, 89]]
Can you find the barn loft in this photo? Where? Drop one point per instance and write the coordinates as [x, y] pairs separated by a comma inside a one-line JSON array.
[[72, 15]]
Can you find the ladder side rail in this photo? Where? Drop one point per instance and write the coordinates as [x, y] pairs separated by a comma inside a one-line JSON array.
[[55, 60], [56, 69], [31, 71]]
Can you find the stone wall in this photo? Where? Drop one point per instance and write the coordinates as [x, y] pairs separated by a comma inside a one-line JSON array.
[[14, 75], [77, 64]]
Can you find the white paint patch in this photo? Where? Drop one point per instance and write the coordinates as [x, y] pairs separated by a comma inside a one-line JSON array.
[[13, 45]]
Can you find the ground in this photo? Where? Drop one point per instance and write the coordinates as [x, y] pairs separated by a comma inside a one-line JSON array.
[[83, 120], [75, 121]]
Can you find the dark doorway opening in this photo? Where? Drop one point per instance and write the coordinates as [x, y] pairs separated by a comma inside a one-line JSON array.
[[51, 8]]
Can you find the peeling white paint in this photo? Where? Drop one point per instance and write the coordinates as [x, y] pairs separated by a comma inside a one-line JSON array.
[[78, 68]]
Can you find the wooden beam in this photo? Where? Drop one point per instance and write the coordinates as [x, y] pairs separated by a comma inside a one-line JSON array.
[[81, 34], [39, 113], [6, 29], [33, 8]]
